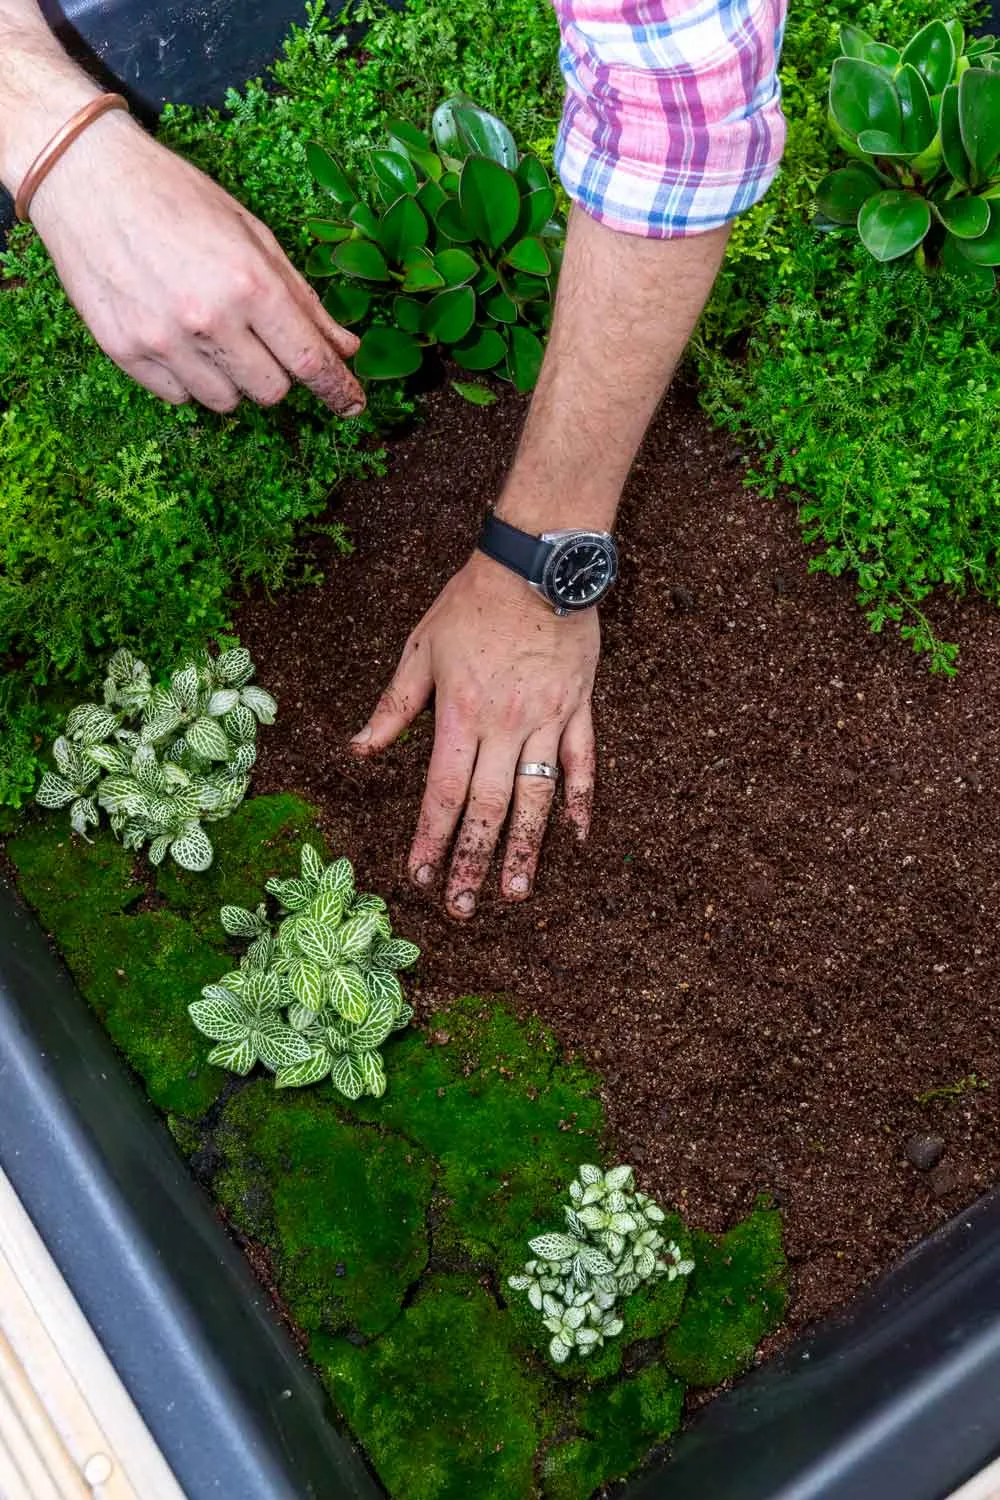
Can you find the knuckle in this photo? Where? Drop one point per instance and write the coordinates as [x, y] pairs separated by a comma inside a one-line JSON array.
[[244, 284], [151, 340], [194, 316], [276, 390], [448, 792], [311, 363], [489, 804]]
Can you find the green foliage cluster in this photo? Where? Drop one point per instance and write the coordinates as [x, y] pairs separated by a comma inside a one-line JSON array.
[[389, 1224], [461, 249], [869, 390], [160, 759], [923, 125], [612, 1246], [317, 996]]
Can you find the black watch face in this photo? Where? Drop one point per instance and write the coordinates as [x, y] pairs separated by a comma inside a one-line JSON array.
[[580, 571]]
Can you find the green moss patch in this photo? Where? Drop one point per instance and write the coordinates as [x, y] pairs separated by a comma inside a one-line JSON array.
[[622, 1422], [72, 884], [261, 839], [737, 1295], [343, 1208], [507, 1120], [140, 974], [442, 1399]]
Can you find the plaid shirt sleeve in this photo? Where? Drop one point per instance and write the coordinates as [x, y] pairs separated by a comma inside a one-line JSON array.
[[672, 123]]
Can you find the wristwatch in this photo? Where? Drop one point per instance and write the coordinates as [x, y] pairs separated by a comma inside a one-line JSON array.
[[571, 569]]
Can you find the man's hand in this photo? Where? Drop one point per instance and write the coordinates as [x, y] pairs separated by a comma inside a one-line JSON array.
[[180, 285], [511, 682]]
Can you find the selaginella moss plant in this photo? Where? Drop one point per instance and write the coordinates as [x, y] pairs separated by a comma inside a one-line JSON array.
[[923, 126], [317, 996], [160, 760], [612, 1246], [460, 246]]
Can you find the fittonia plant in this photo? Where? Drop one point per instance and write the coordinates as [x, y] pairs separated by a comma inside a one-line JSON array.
[[161, 760], [612, 1247], [316, 996]]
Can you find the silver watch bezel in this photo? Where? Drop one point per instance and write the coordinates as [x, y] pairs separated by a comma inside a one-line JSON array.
[[562, 541]]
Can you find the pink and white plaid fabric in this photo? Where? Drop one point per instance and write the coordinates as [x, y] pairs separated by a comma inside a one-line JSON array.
[[672, 123]]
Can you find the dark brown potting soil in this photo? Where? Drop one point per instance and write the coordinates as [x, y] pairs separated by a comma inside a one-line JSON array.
[[779, 947]]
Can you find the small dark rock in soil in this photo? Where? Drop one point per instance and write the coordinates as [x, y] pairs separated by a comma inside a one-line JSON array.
[[924, 1151]]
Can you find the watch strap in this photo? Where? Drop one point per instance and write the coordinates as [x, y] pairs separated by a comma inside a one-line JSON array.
[[515, 549]]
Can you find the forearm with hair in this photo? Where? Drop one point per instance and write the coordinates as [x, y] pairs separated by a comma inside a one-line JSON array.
[[40, 88], [625, 310]]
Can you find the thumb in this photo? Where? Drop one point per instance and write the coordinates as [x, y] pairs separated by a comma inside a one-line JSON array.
[[399, 705]]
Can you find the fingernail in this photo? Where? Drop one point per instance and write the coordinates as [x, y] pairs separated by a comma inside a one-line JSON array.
[[355, 410], [363, 736], [424, 875], [518, 884], [464, 902]]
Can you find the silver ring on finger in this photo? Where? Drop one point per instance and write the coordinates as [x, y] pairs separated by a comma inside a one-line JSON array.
[[538, 768]]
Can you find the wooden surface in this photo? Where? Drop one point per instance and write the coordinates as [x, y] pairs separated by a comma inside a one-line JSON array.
[[68, 1428]]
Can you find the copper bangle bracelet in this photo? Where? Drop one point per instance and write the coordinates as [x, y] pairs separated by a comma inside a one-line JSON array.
[[59, 144]]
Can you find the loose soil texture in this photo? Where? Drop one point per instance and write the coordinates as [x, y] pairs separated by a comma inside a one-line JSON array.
[[778, 947]]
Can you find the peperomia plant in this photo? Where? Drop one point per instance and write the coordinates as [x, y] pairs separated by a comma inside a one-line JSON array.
[[612, 1246], [923, 126], [459, 247], [160, 760], [317, 996]]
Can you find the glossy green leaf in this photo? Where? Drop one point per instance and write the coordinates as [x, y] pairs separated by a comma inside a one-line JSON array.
[[932, 53], [498, 306], [421, 276], [408, 134], [863, 97], [882, 55], [387, 354], [985, 250], [449, 316], [490, 201], [529, 255], [524, 358], [404, 227], [524, 288], [364, 219], [979, 118], [456, 266], [893, 222], [965, 217], [840, 195], [328, 230], [956, 31], [475, 394], [483, 350], [981, 279], [919, 124], [536, 211], [486, 280], [461, 129], [452, 223], [361, 258], [329, 174], [347, 303], [431, 197], [853, 41], [407, 313], [394, 172], [877, 143], [952, 149], [532, 175], [319, 261]]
